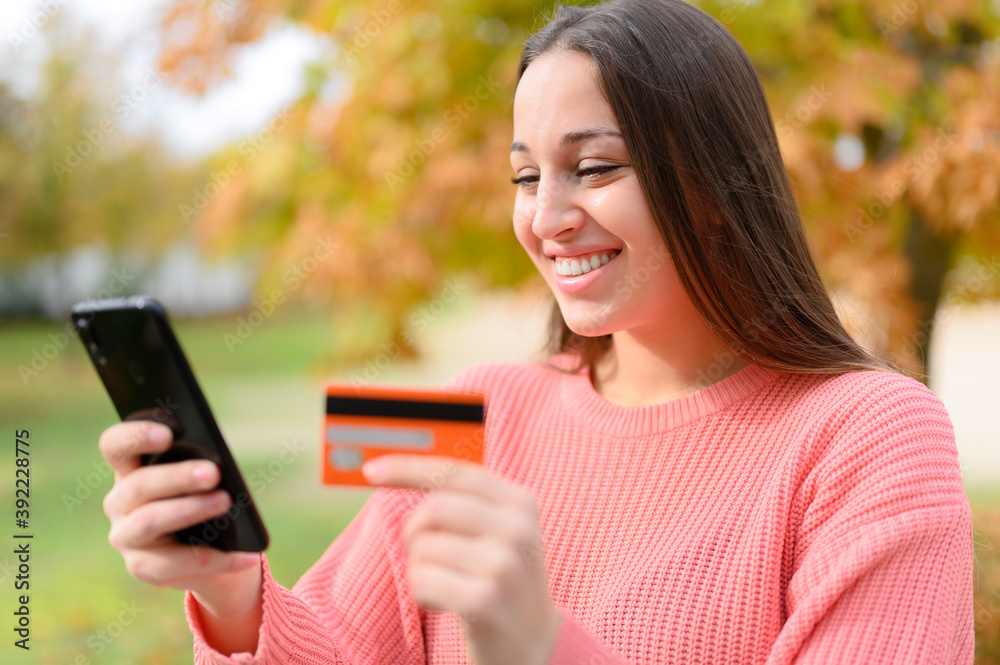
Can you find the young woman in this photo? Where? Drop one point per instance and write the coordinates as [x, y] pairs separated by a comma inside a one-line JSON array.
[[708, 468]]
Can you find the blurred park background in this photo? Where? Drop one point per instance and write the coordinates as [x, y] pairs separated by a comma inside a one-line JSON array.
[[318, 190]]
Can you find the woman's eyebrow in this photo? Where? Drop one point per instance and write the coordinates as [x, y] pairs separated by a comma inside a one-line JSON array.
[[572, 137], [576, 137]]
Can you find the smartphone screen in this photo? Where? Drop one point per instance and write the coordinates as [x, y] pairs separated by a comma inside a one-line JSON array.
[[133, 348]]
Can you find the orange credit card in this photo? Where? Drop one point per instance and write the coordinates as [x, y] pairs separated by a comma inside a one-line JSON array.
[[363, 422]]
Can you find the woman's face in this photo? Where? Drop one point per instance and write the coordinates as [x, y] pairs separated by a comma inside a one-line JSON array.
[[580, 213]]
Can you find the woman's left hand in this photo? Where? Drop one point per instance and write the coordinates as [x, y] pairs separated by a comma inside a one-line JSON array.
[[474, 548]]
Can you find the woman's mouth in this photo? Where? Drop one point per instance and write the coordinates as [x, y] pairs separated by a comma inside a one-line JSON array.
[[571, 266]]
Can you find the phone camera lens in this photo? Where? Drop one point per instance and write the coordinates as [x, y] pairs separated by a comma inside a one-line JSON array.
[[97, 355], [82, 323]]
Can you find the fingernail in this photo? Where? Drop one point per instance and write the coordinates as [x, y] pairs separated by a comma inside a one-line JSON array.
[[204, 474], [160, 435], [372, 471], [219, 500], [245, 560]]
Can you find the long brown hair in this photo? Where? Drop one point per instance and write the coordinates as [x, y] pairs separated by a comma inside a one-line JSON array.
[[699, 132]]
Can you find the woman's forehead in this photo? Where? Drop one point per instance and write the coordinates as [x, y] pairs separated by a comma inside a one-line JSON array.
[[558, 95]]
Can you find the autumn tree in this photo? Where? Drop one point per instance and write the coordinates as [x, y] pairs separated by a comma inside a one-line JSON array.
[[906, 93], [70, 173], [887, 115]]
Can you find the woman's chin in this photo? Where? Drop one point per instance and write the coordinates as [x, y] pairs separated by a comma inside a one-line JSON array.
[[594, 326]]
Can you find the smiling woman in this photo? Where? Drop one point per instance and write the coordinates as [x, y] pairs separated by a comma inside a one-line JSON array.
[[702, 149], [706, 469], [580, 200]]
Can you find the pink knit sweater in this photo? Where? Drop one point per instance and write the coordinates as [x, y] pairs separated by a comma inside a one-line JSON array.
[[769, 518]]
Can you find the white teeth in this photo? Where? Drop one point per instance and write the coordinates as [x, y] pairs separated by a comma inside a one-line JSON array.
[[571, 267]]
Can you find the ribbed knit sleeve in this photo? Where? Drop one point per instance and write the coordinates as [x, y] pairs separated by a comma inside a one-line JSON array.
[[883, 548], [352, 607]]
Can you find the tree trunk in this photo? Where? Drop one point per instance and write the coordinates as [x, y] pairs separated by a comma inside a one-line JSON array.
[[930, 257]]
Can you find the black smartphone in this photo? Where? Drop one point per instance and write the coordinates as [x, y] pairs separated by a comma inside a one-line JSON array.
[[136, 354]]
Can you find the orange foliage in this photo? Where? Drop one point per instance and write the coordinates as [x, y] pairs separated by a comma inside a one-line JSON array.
[[409, 171]]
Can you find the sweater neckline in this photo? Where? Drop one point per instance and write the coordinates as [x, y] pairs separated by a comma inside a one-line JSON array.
[[580, 397]]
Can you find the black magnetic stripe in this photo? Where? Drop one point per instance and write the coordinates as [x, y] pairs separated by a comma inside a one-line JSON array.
[[391, 408]]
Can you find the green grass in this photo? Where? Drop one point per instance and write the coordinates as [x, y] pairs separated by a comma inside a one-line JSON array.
[[265, 392], [985, 502]]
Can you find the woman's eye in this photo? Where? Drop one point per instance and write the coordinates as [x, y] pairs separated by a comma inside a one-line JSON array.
[[597, 170], [590, 172]]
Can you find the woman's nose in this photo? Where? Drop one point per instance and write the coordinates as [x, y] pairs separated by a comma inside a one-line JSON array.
[[555, 210]]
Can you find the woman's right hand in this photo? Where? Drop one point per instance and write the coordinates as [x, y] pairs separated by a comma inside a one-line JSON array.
[[148, 503]]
